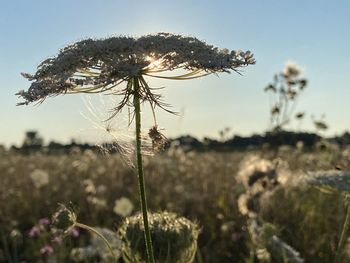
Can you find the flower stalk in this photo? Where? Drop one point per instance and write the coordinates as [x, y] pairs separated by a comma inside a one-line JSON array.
[[142, 189], [92, 230], [65, 219], [344, 232]]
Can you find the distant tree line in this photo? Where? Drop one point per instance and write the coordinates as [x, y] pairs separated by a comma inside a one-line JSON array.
[[33, 142], [271, 140]]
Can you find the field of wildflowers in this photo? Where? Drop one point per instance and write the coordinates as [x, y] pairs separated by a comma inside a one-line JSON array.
[[249, 206], [232, 184]]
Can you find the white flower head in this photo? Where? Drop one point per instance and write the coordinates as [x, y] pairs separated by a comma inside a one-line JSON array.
[[292, 69], [39, 177], [98, 65], [251, 167], [123, 207]]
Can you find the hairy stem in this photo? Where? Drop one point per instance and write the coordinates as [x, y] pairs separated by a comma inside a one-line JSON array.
[[344, 231], [92, 230], [142, 189]]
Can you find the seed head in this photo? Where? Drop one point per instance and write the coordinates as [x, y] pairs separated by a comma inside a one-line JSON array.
[[64, 219], [174, 238]]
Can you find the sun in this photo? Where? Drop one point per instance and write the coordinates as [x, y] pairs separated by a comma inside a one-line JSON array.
[[154, 66]]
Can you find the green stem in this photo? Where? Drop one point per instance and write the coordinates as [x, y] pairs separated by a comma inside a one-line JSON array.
[[344, 232], [92, 230], [142, 189], [6, 248]]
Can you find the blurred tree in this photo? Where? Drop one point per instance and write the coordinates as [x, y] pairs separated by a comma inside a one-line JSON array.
[[32, 141]]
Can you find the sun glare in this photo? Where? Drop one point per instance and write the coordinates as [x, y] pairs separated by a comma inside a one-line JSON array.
[[155, 64]]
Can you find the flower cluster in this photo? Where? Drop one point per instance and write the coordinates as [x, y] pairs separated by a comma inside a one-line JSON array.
[[260, 177], [271, 248], [49, 237], [174, 238], [98, 65]]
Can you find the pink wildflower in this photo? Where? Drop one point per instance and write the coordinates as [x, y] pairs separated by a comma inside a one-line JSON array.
[[46, 250], [34, 231], [44, 221]]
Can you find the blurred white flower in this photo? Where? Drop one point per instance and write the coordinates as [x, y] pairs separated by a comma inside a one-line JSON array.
[[98, 244], [263, 255], [39, 177], [97, 247], [292, 69], [89, 186], [123, 207], [80, 254], [243, 204], [101, 189], [99, 203], [252, 168]]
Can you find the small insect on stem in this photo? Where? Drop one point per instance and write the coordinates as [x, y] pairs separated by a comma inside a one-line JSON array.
[[158, 139]]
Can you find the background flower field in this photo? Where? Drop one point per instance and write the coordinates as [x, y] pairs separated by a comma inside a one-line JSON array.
[[202, 186]]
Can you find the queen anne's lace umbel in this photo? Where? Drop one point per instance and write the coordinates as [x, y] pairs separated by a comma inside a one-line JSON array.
[[99, 65]]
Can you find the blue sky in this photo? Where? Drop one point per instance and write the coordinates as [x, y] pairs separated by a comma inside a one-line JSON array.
[[315, 34]]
